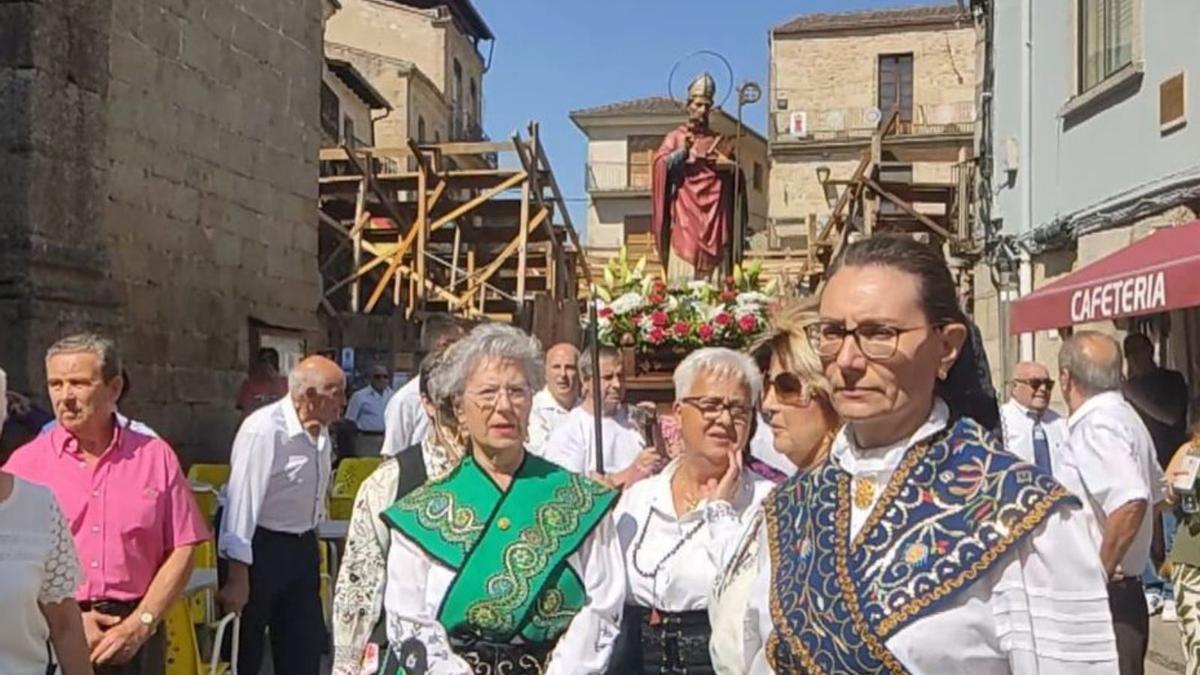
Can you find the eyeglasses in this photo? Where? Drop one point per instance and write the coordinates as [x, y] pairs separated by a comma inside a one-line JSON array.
[[488, 398], [790, 390], [711, 407], [1036, 383], [876, 341]]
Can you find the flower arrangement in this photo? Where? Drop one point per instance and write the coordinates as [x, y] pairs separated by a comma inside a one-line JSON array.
[[639, 310]]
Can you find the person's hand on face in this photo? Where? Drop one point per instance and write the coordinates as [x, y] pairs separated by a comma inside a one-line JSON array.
[[724, 488], [714, 416]]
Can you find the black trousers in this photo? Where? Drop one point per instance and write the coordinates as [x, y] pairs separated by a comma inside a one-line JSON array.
[[1131, 622], [151, 659], [285, 596]]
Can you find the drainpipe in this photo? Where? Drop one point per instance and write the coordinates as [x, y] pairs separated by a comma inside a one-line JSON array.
[[1025, 271]]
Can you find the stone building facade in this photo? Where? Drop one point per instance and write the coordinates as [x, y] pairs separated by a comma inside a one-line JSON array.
[[160, 173], [424, 57], [835, 77]]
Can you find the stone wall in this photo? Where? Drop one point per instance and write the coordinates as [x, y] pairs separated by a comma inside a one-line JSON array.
[[165, 176]]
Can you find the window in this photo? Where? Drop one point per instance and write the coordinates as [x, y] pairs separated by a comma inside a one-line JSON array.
[[348, 132], [896, 85], [420, 129], [331, 113], [473, 113], [640, 160], [758, 177], [636, 225], [1105, 39]]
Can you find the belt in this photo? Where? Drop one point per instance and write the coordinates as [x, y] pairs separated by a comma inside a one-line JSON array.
[[656, 617], [121, 608], [370, 433], [286, 535]]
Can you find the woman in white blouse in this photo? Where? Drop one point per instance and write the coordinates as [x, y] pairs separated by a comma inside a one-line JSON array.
[[919, 546], [39, 573], [510, 563], [802, 422], [678, 528]]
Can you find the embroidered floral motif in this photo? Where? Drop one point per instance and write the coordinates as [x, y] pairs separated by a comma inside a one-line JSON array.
[[435, 509]]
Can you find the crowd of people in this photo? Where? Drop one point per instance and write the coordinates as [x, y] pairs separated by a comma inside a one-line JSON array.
[[847, 496]]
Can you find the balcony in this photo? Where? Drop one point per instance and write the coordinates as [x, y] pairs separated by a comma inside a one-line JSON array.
[[617, 178], [847, 124], [465, 126]]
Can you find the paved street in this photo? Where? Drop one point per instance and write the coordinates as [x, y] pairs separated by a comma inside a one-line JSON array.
[[1165, 655]]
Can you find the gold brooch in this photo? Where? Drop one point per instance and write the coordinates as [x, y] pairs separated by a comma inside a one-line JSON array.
[[864, 493], [503, 523]]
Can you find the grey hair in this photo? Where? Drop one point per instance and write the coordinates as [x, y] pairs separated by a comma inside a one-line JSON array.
[[1093, 376], [721, 362], [104, 348], [492, 341], [302, 379], [585, 360], [3, 397]]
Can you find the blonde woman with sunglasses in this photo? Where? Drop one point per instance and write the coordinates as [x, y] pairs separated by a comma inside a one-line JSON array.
[[802, 422]]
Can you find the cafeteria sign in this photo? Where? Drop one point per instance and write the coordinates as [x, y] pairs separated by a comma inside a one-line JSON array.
[[1139, 294]]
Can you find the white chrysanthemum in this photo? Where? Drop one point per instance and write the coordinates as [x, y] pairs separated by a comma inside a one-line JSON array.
[[697, 286], [752, 298], [630, 302]]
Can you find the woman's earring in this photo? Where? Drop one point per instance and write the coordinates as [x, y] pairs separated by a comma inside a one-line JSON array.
[[941, 375]]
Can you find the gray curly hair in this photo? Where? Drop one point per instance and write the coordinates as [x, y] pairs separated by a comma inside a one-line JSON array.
[[492, 341]]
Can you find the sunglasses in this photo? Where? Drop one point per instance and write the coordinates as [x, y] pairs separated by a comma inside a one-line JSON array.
[[1037, 383], [789, 389]]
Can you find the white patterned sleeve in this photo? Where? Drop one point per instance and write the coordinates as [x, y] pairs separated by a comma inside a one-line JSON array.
[[587, 644], [413, 630], [1050, 606], [61, 574]]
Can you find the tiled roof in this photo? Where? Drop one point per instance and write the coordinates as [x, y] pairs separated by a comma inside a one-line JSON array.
[[653, 105], [898, 18]]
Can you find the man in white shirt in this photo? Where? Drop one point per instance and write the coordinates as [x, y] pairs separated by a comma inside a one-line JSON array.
[[573, 444], [276, 497], [1032, 431], [560, 395], [366, 410], [1121, 479], [405, 421]]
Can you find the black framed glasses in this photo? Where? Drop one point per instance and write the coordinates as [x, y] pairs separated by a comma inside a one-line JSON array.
[[711, 407], [789, 389], [876, 341], [1036, 383]]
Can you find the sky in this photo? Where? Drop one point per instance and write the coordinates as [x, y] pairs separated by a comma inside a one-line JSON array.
[[555, 56]]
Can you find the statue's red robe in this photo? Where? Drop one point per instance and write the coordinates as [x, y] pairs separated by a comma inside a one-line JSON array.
[[691, 213]]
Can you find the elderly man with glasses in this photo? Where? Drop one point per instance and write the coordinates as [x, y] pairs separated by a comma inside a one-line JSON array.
[[1032, 431]]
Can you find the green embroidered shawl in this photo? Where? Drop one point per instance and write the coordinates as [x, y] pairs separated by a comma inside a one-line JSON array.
[[509, 549]]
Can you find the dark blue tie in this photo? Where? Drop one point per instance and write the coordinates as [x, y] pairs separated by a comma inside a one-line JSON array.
[[1041, 446]]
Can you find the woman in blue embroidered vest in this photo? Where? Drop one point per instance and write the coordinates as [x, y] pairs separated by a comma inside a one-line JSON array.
[[919, 545], [509, 564], [679, 527]]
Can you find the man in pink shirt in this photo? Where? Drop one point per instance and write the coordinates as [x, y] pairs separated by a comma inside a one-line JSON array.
[[130, 509]]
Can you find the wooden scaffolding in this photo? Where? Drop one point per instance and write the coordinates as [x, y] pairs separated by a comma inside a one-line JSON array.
[[473, 229]]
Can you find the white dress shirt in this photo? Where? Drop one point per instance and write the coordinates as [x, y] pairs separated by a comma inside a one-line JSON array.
[[672, 563], [405, 419], [573, 444], [1018, 422], [762, 446], [277, 481], [366, 409], [1043, 609], [1118, 465], [545, 416], [417, 584]]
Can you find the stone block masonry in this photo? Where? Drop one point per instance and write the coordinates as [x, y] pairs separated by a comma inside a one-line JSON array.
[[159, 179]]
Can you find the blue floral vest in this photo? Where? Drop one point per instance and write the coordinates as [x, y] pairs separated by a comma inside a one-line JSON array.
[[952, 509]]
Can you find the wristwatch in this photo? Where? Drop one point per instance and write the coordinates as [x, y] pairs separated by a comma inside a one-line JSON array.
[[146, 619]]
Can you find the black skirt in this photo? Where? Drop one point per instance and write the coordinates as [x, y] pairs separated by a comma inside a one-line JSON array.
[[662, 643], [487, 658]]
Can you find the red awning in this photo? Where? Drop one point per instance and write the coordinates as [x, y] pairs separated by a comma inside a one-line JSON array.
[[1152, 275]]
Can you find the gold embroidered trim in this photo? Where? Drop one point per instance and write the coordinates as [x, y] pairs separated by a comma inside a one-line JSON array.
[[778, 618], [911, 459], [1030, 520], [841, 546]]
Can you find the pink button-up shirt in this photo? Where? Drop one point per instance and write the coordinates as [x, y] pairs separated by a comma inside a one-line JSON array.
[[127, 512]]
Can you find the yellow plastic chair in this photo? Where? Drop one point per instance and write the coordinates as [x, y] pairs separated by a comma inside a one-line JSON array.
[[207, 481], [351, 473], [201, 604], [183, 648]]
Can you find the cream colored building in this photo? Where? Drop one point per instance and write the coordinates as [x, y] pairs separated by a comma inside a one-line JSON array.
[[425, 57], [835, 77], [622, 138], [349, 105]]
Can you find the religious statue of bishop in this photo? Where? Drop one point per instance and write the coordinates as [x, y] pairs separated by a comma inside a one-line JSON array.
[[693, 192]]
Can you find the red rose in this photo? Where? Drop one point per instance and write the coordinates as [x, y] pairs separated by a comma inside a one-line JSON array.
[[682, 328], [728, 281], [660, 319], [705, 331], [656, 335], [747, 323], [660, 285], [605, 312], [655, 299], [722, 319], [728, 296]]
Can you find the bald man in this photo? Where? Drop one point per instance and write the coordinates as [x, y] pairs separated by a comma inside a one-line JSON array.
[[1121, 478], [1032, 431], [558, 397], [276, 496]]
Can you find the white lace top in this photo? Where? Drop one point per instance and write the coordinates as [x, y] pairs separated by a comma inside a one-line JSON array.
[[38, 565]]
